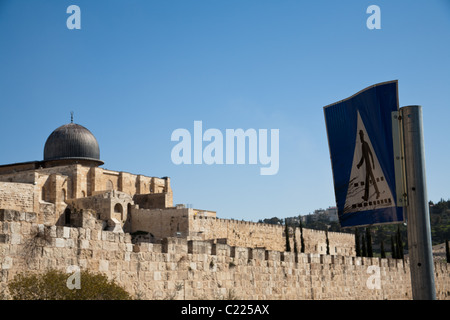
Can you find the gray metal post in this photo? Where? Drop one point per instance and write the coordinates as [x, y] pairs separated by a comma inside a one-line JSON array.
[[417, 211]]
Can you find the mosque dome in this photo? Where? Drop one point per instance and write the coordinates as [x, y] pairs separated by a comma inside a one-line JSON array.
[[71, 141]]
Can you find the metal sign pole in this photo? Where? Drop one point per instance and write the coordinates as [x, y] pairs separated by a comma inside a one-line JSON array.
[[417, 211]]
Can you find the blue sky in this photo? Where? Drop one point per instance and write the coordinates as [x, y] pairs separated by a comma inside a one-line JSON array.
[[138, 70]]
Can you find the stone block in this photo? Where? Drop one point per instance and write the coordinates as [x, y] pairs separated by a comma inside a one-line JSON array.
[[66, 233], [96, 234], [59, 243], [30, 217], [59, 231], [21, 216], [110, 236], [53, 231], [8, 215], [127, 256], [145, 247], [83, 263], [81, 233], [85, 254], [16, 238], [4, 238], [70, 243], [26, 228], [7, 263], [110, 246], [84, 244], [15, 227], [157, 275], [103, 266], [88, 234], [192, 266]]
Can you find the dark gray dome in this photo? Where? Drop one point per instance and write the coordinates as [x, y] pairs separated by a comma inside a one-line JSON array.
[[71, 141]]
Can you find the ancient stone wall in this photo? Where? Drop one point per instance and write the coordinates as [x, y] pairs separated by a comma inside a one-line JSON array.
[[251, 234], [153, 200], [108, 204], [102, 179], [238, 233], [87, 180], [161, 222], [339, 243], [182, 269], [17, 196]]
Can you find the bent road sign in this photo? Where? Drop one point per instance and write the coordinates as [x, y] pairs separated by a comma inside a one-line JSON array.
[[360, 138]]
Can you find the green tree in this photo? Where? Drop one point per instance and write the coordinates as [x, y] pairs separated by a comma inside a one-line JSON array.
[[357, 243], [302, 240], [364, 250], [52, 285], [393, 248], [295, 242], [399, 244], [286, 231], [369, 243], [383, 253], [447, 251], [273, 220]]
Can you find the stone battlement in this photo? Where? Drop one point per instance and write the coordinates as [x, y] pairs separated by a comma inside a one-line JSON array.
[[178, 268], [253, 234]]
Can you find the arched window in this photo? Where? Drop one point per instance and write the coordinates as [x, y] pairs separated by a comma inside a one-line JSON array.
[[109, 185], [67, 217], [118, 209]]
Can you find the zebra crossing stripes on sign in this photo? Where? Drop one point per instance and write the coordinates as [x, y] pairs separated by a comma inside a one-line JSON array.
[[368, 188], [360, 138]]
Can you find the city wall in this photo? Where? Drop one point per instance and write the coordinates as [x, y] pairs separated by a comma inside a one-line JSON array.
[[182, 269], [251, 234], [17, 196]]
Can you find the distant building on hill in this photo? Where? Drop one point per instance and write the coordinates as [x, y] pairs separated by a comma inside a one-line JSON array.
[[329, 215]]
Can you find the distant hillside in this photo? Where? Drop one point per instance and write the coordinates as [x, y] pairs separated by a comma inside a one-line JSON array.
[[439, 221]]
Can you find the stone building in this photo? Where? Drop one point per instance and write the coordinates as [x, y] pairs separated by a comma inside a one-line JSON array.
[[69, 186]]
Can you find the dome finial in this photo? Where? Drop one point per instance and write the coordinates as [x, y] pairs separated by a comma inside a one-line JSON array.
[[71, 116]]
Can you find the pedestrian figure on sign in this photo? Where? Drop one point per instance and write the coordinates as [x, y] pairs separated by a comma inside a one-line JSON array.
[[370, 165]]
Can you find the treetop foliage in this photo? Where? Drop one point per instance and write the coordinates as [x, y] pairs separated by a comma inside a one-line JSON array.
[[52, 285]]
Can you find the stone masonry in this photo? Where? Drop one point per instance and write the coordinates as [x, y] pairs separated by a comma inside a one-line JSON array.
[[178, 268]]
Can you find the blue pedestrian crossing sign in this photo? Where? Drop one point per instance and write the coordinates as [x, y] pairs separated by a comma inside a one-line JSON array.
[[362, 142]]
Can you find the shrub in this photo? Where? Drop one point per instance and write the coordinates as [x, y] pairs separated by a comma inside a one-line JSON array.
[[52, 285]]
